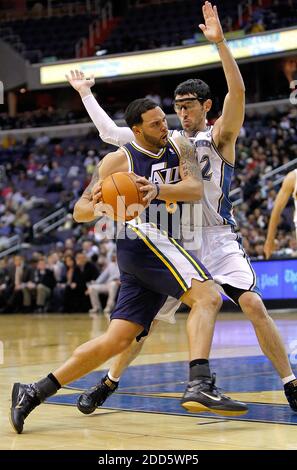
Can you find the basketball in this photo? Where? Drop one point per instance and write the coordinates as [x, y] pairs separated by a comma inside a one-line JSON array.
[[121, 194]]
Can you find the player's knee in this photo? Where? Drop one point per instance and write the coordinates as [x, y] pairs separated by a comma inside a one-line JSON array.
[[212, 299], [210, 303], [117, 342], [215, 299], [254, 308], [122, 344]]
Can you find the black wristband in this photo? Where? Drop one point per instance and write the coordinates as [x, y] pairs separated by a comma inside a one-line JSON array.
[[158, 190]]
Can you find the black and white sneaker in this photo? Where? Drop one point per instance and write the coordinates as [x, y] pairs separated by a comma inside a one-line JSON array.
[[96, 396], [24, 400], [291, 394], [202, 395]]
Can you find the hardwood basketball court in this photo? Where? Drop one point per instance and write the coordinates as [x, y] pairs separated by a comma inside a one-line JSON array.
[[145, 412]]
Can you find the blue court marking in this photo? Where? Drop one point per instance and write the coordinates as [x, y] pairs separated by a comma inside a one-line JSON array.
[[241, 374], [264, 413]]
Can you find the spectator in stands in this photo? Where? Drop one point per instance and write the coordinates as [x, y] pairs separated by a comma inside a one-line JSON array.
[[42, 140], [22, 224], [257, 27], [5, 282], [56, 170], [292, 251], [68, 288], [89, 248], [88, 269], [56, 186], [55, 264], [19, 273], [79, 273], [107, 283], [39, 287]]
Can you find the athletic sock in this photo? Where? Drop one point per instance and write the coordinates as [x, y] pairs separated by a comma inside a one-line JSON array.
[[288, 379], [199, 369], [47, 387], [113, 379], [112, 384]]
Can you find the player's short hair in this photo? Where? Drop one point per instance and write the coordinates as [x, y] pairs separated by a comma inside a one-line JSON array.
[[194, 86], [134, 111]]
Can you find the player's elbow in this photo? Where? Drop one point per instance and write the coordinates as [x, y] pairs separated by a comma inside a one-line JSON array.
[[239, 93], [78, 214], [241, 88]]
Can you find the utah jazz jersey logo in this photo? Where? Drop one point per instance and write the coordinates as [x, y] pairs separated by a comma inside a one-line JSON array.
[[160, 168], [161, 174]]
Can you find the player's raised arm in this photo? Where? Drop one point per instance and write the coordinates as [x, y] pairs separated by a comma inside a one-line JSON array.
[[108, 130], [85, 206], [227, 127], [279, 205]]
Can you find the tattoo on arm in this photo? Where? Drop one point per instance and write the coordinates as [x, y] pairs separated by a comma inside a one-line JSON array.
[[188, 159]]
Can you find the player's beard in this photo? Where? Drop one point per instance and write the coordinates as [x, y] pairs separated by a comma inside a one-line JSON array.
[[158, 143]]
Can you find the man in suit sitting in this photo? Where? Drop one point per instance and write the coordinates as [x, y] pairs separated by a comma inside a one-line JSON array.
[[40, 285]]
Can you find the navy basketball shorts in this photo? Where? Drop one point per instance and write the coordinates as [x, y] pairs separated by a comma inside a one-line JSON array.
[[153, 266]]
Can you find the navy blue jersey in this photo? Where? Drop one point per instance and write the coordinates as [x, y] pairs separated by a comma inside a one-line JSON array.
[[153, 265], [162, 168]]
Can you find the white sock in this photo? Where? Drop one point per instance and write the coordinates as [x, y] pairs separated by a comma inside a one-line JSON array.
[[118, 378], [288, 379]]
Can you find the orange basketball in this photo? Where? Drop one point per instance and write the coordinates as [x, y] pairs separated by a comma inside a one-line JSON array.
[[121, 195]]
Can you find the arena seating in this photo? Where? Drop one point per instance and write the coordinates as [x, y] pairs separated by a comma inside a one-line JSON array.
[[153, 26]]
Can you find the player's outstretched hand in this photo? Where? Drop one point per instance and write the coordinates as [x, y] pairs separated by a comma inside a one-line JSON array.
[[78, 80], [212, 28]]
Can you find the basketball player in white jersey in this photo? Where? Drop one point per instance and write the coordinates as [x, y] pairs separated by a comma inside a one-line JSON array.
[[221, 251], [288, 189]]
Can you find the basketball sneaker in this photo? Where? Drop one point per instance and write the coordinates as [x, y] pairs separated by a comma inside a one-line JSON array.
[[291, 393], [96, 396], [24, 399], [203, 395]]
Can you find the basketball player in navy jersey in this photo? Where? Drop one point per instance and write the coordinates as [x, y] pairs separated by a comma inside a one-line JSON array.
[[221, 250], [153, 265], [288, 189]]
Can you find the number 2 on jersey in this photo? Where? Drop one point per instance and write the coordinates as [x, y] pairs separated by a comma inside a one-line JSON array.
[[206, 169]]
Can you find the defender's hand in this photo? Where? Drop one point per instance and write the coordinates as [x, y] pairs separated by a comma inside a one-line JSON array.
[[212, 28]]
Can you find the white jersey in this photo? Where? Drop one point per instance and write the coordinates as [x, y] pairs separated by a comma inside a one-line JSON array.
[[295, 201], [217, 175]]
